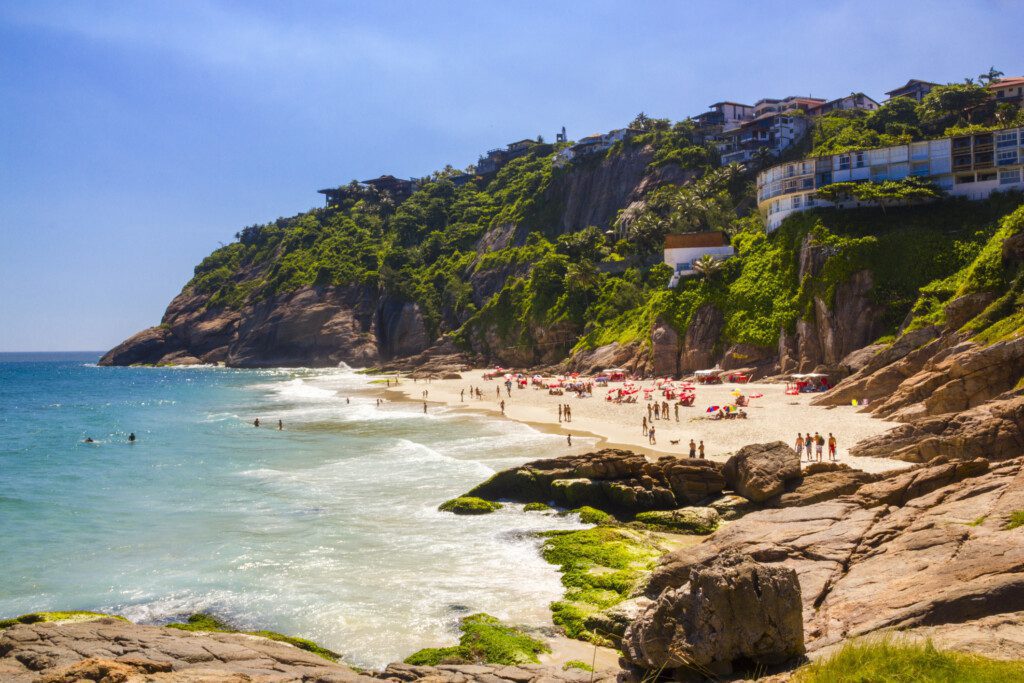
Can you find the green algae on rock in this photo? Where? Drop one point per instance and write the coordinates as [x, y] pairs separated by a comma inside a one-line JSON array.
[[210, 623], [484, 640], [72, 616], [537, 507], [469, 505], [688, 520], [591, 515]]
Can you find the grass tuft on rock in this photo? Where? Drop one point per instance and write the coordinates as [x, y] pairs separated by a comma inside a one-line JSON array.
[[469, 505], [208, 622], [71, 616], [1016, 520], [576, 664], [484, 640], [590, 515], [600, 568], [896, 661], [537, 507]]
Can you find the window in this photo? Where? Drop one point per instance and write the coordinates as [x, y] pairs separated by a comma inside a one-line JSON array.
[[796, 201], [920, 169], [964, 179], [860, 159], [810, 199], [1006, 139], [986, 176], [844, 163], [1009, 177], [1006, 158]]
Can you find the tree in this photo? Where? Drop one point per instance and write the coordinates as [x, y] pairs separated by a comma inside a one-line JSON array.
[[763, 157], [884, 193], [641, 122], [902, 110], [586, 244], [957, 100], [647, 233], [991, 76], [707, 266]]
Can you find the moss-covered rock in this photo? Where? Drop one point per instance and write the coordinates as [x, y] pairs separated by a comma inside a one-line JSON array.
[[600, 568], [469, 505], [537, 507], [688, 520], [576, 664], [74, 615], [484, 640], [207, 622], [589, 515]]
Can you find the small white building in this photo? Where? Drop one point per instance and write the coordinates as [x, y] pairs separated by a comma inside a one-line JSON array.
[[593, 144], [681, 250]]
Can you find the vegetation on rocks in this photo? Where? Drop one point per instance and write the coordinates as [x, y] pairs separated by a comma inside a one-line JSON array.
[[600, 568], [1016, 520], [207, 622], [469, 505], [591, 515], [576, 664], [484, 640], [537, 507], [73, 616], [893, 660]]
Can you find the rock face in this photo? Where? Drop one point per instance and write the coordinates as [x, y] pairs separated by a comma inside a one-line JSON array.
[[760, 471], [822, 481], [688, 520], [313, 326], [121, 650], [464, 673], [730, 608], [610, 479], [926, 548]]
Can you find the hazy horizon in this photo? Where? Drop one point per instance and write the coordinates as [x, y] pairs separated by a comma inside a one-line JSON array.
[[139, 137]]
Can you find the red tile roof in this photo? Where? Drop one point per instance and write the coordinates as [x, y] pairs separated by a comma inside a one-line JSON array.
[[688, 240]]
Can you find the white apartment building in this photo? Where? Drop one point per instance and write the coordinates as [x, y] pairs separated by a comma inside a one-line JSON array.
[[972, 166]]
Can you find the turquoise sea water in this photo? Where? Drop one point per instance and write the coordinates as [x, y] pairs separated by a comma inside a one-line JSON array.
[[327, 530]]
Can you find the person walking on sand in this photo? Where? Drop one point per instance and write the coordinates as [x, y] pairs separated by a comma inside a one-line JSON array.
[[645, 426], [650, 412], [424, 407], [831, 446], [650, 435], [503, 407], [657, 411], [799, 446], [677, 412], [280, 425], [568, 440], [700, 449], [559, 413], [462, 396], [819, 443], [693, 448]]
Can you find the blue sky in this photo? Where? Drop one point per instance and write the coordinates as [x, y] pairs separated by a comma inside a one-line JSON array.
[[137, 136]]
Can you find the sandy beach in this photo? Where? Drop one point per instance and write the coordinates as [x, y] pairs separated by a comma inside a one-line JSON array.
[[772, 417]]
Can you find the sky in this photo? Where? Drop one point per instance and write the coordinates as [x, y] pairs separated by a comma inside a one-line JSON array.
[[136, 137]]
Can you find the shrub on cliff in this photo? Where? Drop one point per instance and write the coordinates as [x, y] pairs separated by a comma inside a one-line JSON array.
[[468, 505], [484, 640]]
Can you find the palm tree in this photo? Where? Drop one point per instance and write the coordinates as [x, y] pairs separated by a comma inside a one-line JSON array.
[[762, 156], [707, 266], [991, 76]]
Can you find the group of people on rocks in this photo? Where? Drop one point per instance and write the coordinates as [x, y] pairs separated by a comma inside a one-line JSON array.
[[814, 445]]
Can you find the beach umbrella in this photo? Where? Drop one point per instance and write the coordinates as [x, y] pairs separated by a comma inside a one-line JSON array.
[[712, 409]]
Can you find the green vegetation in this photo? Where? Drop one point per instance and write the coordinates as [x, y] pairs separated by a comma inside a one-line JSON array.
[[207, 622], [600, 567], [590, 515], [893, 661], [469, 505], [576, 664], [537, 507], [71, 616], [484, 640], [678, 521], [1016, 520]]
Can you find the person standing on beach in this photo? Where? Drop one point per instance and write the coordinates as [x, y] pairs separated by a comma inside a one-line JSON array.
[[568, 440], [809, 446], [657, 411], [831, 446], [819, 442], [503, 407], [677, 412], [280, 425], [693, 448], [799, 445], [424, 407], [568, 413], [650, 412], [700, 449], [462, 396], [664, 409], [497, 391], [645, 426], [559, 413], [650, 435]]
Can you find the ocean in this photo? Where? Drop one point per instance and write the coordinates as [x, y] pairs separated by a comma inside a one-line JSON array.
[[327, 530]]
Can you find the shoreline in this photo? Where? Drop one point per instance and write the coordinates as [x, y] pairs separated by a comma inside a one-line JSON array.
[[773, 417]]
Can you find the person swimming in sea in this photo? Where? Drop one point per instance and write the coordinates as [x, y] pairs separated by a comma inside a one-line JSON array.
[[88, 439], [256, 422], [131, 438]]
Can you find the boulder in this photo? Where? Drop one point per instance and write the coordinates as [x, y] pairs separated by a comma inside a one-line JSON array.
[[613, 621], [611, 479], [903, 487], [822, 481], [732, 608], [730, 507], [760, 471]]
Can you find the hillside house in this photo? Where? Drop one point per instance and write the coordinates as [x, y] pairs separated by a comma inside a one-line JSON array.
[[496, 158], [398, 188], [914, 89], [774, 132], [971, 166], [1008, 90], [857, 100], [593, 144], [681, 250], [725, 115], [772, 106]]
